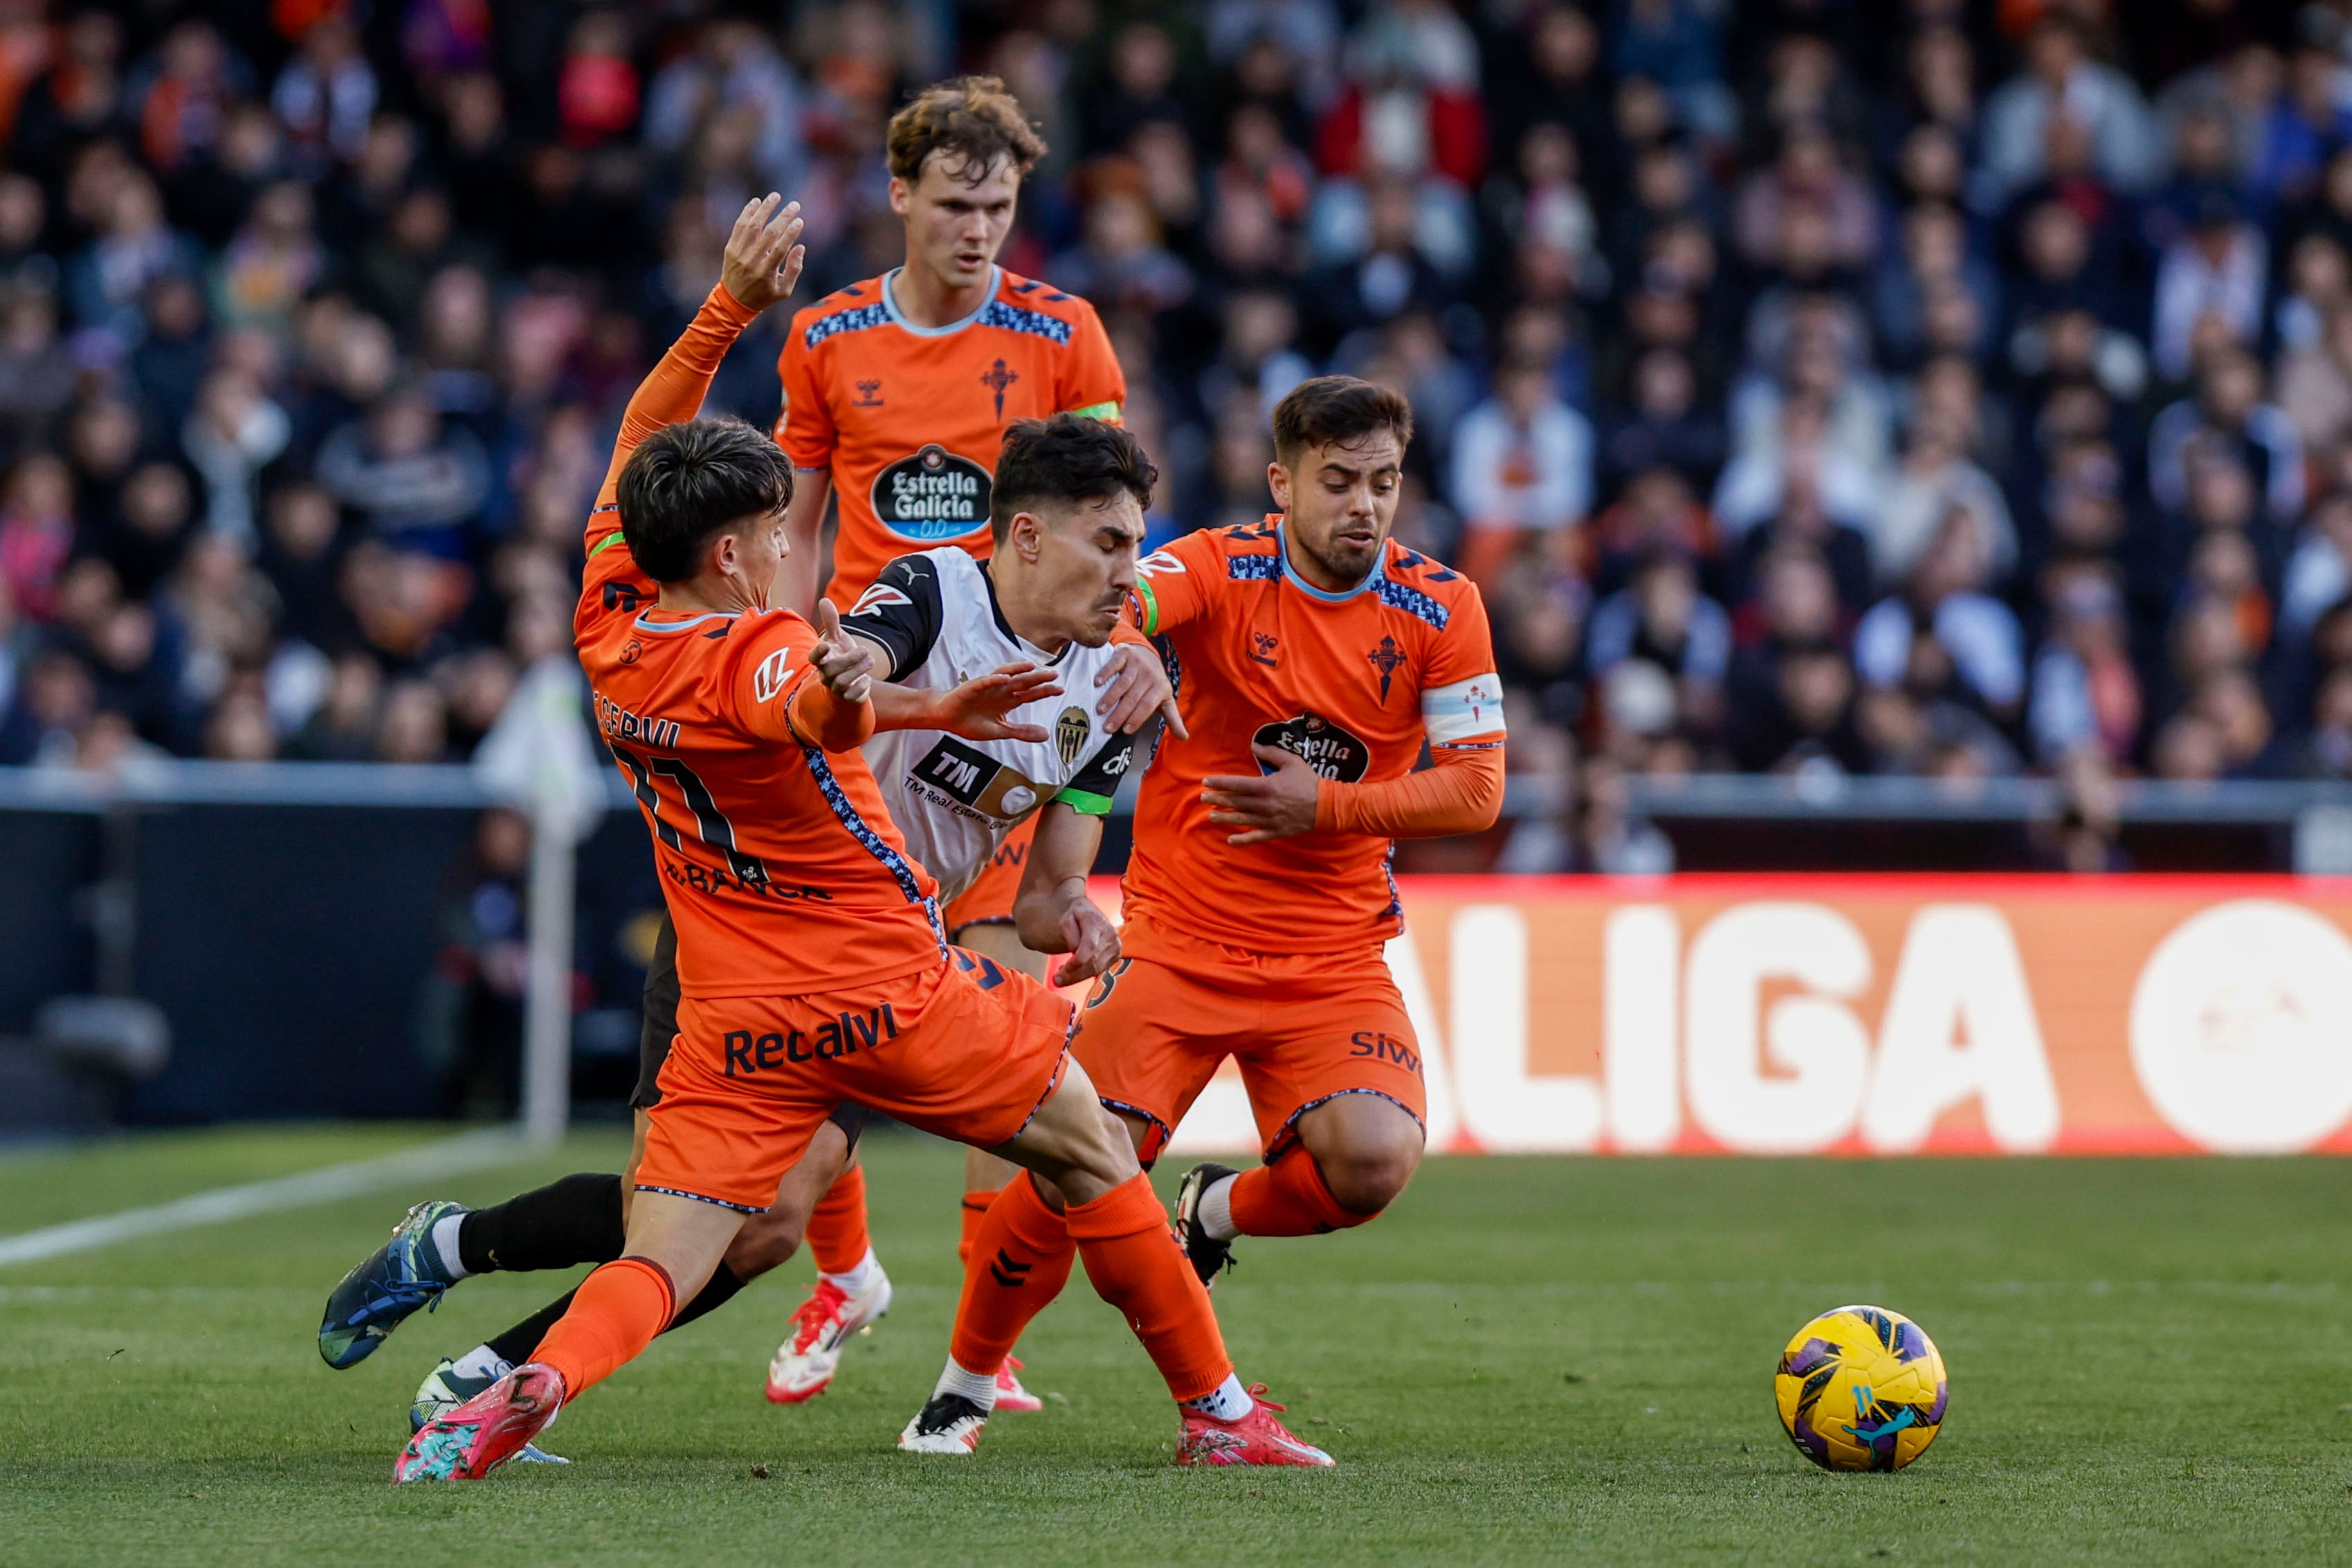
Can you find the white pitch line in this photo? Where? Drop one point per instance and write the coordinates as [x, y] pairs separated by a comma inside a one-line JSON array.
[[467, 1152]]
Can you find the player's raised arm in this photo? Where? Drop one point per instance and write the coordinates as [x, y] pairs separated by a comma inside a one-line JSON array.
[[761, 266], [1052, 913]]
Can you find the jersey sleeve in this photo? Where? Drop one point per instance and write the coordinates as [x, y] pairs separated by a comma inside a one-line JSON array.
[[1090, 792], [1461, 695], [672, 391], [901, 614], [1092, 383], [805, 428], [1178, 582], [770, 664]]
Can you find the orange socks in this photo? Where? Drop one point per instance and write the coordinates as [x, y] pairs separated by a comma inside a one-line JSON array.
[[1289, 1198], [836, 1226], [975, 1204], [1018, 1259], [1134, 1263], [614, 1314]]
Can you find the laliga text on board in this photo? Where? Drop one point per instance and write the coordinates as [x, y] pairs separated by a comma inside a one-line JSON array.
[[1869, 1014]]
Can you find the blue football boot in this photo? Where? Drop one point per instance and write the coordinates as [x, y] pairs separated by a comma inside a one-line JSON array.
[[392, 1281]]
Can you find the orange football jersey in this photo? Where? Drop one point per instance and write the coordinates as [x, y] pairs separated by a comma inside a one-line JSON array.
[[909, 420], [780, 863], [1354, 682]]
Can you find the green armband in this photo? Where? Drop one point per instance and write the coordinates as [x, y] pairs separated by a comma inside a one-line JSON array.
[[1085, 803]]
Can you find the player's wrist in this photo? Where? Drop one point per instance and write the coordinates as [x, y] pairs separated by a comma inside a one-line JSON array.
[[729, 305], [1330, 805]]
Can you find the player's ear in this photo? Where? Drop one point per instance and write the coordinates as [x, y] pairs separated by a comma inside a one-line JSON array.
[[1277, 480], [901, 195], [1027, 535], [724, 554]]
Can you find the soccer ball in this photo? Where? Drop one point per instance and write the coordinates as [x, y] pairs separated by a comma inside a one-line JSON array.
[[1861, 1388]]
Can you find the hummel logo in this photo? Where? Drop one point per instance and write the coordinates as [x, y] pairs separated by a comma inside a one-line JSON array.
[[1009, 1273], [1263, 649], [865, 397]]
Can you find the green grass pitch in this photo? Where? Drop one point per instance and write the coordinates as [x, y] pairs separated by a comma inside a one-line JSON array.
[[1528, 1361]]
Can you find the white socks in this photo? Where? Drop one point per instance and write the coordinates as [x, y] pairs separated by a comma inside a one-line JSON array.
[[980, 1387], [1228, 1402], [861, 1279], [481, 1361], [444, 1245], [1216, 1211]]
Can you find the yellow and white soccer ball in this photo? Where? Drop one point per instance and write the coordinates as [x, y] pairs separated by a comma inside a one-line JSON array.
[[1861, 1388]]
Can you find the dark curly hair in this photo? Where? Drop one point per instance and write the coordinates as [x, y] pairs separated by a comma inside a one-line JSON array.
[[1069, 457]]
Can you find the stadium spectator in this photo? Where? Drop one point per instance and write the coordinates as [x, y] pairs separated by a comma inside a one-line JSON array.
[[1714, 319]]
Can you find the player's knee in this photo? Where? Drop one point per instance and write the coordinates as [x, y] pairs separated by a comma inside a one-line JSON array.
[[1364, 1181], [765, 1241]]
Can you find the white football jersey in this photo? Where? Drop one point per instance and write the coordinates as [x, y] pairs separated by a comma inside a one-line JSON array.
[[936, 616]]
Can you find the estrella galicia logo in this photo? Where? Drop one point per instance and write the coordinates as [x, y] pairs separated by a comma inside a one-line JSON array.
[[932, 496], [1070, 732], [1330, 751]]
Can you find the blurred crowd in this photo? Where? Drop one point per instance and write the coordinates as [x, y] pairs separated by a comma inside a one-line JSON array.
[[1890, 387]]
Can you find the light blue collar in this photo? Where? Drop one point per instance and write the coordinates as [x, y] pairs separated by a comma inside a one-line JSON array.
[[643, 625], [890, 305], [1290, 574]]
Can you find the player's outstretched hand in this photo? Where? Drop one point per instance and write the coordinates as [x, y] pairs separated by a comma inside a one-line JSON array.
[[1279, 805], [978, 710], [845, 664], [1094, 943], [1136, 686], [763, 259]]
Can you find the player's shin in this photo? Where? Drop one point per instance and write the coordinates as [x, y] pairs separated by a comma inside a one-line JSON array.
[[1019, 1261], [1134, 1263], [836, 1228], [564, 1224], [614, 1315]]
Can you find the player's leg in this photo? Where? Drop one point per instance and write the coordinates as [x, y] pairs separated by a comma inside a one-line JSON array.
[[1144, 1070], [842, 1302], [1079, 1159], [1336, 1085], [530, 1231], [674, 1243], [716, 1152], [985, 1175], [575, 1220]]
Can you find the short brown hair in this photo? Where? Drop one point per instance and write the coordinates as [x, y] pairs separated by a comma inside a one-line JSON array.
[[971, 119], [1338, 411]]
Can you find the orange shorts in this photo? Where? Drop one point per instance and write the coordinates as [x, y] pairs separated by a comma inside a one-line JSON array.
[[989, 899], [1305, 1027], [969, 1050]]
